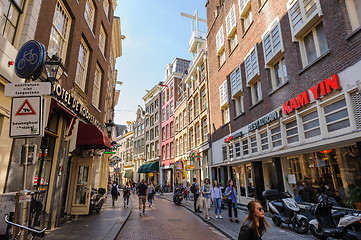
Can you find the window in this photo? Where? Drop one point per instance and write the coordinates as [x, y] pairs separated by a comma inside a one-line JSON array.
[[89, 13], [171, 108], [156, 117], [264, 140], [167, 94], [190, 111], [313, 44], [198, 134], [167, 131], [205, 129], [354, 12], [279, 73], [163, 134], [163, 96], [292, 132], [102, 40], [151, 134], [244, 5], [256, 92], [276, 137], [171, 150], [254, 144], [237, 147], [147, 122], [156, 131], [203, 74], [236, 81], [251, 65], [59, 35], [225, 115], [177, 124], [184, 118], [167, 112], [82, 65], [10, 18], [147, 136], [224, 151], [221, 59], [239, 105], [245, 147], [181, 145], [156, 104], [203, 99], [167, 151], [152, 150], [171, 129], [336, 115], [191, 138], [223, 94], [196, 106], [247, 19], [156, 148], [106, 7], [176, 147], [220, 40], [185, 146], [171, 89], [311, 125], [96, 87], [272, 42], [163, 114], [163, 151], [302, 14], [230, 151], [231, 28]]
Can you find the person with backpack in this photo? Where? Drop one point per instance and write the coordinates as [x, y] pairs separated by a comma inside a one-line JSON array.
[[231, 195], [126, 193], [114, 192], [195, 191]]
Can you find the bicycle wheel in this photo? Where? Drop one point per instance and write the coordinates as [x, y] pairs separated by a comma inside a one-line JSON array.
[[34, 58], [21, 64]]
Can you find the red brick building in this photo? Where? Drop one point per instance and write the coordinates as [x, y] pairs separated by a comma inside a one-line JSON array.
[[278, 115]]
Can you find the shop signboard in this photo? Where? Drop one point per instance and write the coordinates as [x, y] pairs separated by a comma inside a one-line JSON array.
[[26, 117], [151, 174], [27, 89]]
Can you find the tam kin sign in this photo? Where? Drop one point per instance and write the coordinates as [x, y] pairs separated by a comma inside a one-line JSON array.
[[321, 89]]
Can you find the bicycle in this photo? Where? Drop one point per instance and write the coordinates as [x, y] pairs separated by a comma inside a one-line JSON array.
[[37, 233], [30, 57]]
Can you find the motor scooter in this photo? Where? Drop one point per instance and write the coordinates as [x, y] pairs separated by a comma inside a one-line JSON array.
[[284, 209], [178, 196], [97, 200], [339, 224]]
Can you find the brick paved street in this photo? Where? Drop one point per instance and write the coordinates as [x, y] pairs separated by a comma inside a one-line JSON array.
[[166, 221]]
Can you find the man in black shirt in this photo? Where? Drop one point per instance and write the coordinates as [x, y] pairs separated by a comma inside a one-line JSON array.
[[142, 191]]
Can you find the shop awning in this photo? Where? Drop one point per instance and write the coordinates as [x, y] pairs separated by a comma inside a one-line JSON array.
[[128, 173], [55, 105], [92, 137], [149, 167]]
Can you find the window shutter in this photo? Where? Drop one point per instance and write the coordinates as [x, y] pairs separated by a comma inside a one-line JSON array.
[[220, 39], [236, 81], [267, 46], [231, 21], [296, 16], [276, 37]]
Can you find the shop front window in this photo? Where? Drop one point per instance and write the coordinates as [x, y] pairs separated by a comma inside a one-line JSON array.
[[249, 178], [337, 168], [242, 184], [81, 185]]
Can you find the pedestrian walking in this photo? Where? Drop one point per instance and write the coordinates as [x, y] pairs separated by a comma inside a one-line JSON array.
[[133, 187], [151, 191], [231, 195], [142, 191], [206, 193], [114, 192], [126, 193], [188, 189], [216, 194], [195, 191], [184, 183], [255, 224]]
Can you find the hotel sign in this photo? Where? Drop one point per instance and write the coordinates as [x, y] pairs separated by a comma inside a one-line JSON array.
[[265, 120], [78, 107]]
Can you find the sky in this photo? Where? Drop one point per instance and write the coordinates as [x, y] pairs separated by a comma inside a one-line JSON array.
[[155, 34]]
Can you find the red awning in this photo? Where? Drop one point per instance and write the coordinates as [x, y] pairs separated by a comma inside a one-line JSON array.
[[91, 136], [55, 105]]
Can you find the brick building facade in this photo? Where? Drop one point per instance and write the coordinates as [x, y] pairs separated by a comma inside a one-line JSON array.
[[278, 116]]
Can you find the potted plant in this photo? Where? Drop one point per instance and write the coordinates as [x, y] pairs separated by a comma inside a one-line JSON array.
[[355, 197]]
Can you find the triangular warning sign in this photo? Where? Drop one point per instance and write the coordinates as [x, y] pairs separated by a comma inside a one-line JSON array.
[[25, 109]]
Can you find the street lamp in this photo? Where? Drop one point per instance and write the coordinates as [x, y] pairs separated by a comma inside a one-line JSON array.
[[54, 68], [109, 125]]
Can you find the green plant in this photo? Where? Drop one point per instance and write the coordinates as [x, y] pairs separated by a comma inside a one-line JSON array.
[[354, 196]]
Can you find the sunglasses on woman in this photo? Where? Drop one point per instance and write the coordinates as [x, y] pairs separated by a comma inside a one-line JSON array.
[[260, 209]]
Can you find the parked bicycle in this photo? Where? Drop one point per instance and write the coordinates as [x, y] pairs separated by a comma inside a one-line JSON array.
[[35, 233]]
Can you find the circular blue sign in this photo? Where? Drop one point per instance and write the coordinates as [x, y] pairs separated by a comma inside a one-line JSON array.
[[30, 60]]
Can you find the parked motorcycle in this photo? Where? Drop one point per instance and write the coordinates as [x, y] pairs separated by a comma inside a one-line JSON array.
[[97, 200], [178, 196], [284, 209], [339, 224]]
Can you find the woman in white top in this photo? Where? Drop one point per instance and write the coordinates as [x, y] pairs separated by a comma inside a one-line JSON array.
[[216, 194]]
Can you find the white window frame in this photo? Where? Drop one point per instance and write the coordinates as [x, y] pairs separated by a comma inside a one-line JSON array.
[[231, 26], [273, 72], [91, 14], [225, 115], [97, 86], [269, 34], [307, 21], [352, 13], [247, 20], [221, 58], [223, 94], [236, 81], [239, 104], [60, 46], [102, 40], [251, 66], [220, 40], [244, 5], [80, 77], [257, 90]]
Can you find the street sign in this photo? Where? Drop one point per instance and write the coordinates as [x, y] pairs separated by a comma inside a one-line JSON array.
[[26, 117], [109, 152], [30, 60], [27, 89]]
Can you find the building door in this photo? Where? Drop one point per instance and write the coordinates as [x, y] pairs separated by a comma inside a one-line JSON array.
[[82, 186]]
